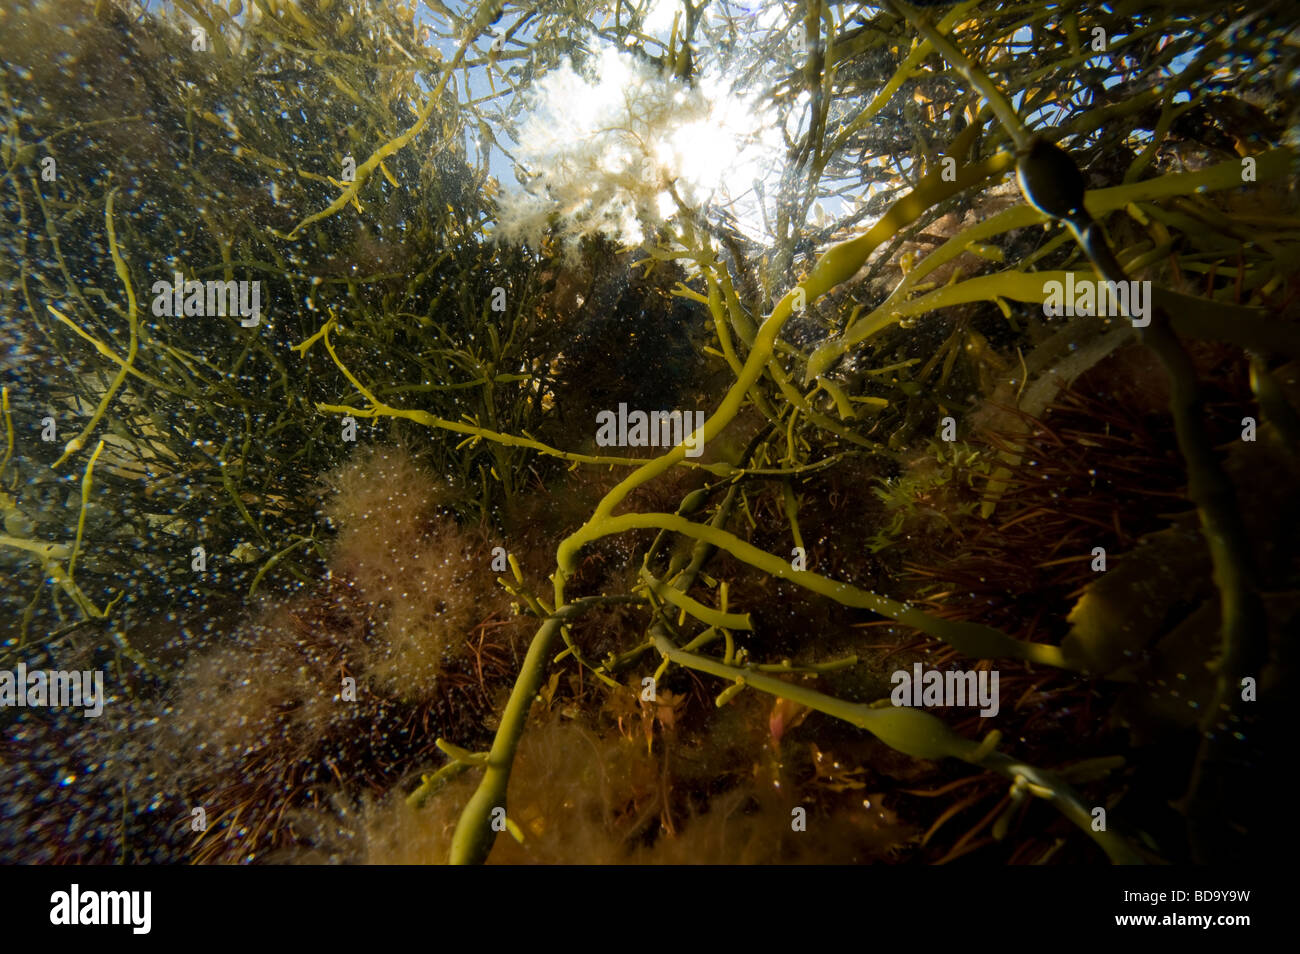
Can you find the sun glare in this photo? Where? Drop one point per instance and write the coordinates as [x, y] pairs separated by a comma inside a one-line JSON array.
[[602, 145]]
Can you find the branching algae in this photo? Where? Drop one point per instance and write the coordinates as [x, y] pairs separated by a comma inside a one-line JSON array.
[[896, 451]]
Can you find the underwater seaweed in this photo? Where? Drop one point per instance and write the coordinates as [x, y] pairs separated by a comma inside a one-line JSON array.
[[367, 585], [351, 682]]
